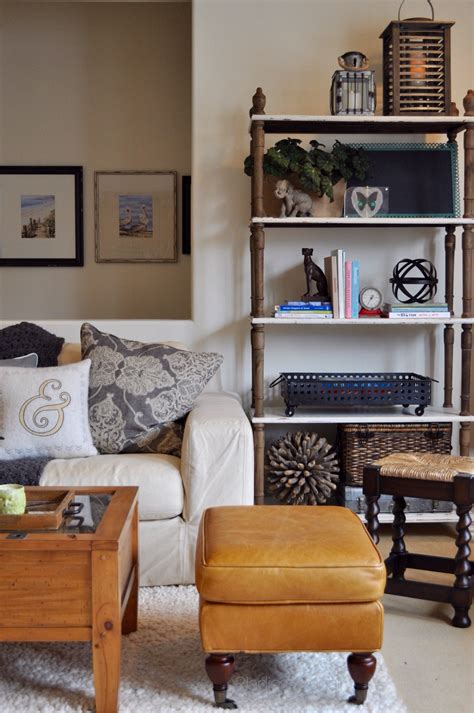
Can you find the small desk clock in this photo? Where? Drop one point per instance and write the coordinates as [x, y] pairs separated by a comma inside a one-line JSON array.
[[370, 299]]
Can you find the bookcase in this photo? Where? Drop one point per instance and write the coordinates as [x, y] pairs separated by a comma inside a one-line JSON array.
[[456, 409]]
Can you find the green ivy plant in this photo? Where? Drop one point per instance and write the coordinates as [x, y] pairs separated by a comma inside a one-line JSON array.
[[317, 170]]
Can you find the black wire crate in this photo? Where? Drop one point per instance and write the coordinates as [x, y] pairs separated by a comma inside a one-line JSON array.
[[345, 390]]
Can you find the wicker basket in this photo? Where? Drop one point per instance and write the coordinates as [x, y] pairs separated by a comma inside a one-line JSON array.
[[360, 444]]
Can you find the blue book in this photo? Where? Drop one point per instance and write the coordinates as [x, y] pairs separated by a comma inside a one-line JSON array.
[[304, 308], [297, 303], [355, 289]]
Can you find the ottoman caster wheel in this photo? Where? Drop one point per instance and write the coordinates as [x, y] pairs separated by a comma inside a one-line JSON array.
[[359, 696], [221, 701]]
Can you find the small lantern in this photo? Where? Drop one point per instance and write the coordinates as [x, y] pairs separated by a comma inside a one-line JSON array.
[[353, 88], [416, 66]]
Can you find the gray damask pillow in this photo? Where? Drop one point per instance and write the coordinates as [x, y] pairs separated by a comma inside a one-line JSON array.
[[139, 392]]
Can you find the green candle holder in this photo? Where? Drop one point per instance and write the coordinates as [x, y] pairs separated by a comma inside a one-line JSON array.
[[12, 499]]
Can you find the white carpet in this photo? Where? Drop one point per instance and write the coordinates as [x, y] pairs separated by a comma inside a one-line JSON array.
[[163, 670]]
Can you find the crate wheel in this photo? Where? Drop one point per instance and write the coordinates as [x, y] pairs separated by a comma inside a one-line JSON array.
[[289, 411], [420, 410]]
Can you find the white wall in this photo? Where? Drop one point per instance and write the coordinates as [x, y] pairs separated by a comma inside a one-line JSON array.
[[108, 87]]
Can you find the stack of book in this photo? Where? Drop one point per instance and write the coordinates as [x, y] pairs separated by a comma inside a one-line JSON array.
[[343, 283], [304, 310], [417, 310]]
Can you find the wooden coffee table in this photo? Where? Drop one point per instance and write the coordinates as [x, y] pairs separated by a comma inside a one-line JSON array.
[[78, 583]]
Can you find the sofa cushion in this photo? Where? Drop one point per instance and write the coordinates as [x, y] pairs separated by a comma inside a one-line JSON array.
[[28, 361], [157, 476], [138, 391], [44, 412], [26, 337], [285, 554]]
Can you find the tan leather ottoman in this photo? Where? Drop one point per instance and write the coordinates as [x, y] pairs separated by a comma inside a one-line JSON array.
[[281, 578]]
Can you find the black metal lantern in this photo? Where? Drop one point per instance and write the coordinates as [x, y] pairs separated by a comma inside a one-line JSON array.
[[417, 66], [353, 87]]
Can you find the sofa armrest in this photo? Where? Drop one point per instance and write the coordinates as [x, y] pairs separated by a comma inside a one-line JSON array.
[[217, 455]]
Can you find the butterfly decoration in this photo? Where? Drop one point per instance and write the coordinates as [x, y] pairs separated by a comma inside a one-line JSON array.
[[366, 201]]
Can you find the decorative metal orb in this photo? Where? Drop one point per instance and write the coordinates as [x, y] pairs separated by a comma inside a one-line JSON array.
[[414, 281]]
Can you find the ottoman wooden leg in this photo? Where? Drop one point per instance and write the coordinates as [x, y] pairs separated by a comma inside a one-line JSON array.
[[219, 668], [361, 668]]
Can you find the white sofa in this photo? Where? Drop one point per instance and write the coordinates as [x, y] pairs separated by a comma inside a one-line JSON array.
[[215, 468]]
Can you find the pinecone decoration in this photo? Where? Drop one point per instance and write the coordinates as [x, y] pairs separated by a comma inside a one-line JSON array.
[[303, 469]]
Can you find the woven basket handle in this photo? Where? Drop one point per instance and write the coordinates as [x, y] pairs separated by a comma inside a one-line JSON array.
[[429, 3]]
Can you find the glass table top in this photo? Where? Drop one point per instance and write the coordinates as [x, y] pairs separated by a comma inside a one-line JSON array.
[[86, 513]]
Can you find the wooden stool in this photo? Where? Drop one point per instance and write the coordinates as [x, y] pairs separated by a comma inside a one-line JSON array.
[[420, 475], [274, 579]]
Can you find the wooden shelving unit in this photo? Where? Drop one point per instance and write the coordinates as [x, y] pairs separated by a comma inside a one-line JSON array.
[[262, 415]]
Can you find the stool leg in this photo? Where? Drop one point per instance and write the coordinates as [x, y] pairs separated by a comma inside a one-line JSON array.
[[398, 534], [219, 668], [361, 668], [372, 520], [462, 585]]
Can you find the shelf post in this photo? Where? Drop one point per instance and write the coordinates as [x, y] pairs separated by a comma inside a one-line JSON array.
[[449, 248], [467, 265], [257, 246]]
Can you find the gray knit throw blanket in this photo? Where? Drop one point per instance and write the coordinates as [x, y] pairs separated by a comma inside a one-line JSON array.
[[22, 471]]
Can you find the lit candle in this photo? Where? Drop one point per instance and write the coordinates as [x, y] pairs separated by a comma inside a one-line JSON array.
[[417, 66]]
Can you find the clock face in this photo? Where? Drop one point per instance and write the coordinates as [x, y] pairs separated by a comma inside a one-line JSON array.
[[370, 298]]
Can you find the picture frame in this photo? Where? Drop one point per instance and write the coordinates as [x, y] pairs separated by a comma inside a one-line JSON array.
[[186, 215], [135, 216], [407, 169], [41, 216]]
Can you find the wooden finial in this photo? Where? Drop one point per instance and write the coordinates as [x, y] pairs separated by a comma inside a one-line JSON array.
[[453, 111], [258, 102], [469, 103]]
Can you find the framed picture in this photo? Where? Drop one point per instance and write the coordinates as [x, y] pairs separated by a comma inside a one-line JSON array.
[[407, 170], [41, 219], [135, 216], [186, 214]]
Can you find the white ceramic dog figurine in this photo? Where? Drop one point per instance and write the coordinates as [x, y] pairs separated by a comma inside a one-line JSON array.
[[294, 202]]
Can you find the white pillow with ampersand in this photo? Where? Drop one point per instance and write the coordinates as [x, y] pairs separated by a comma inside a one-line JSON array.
[[44, 412]]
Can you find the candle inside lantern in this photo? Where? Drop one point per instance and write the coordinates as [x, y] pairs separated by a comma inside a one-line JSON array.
[[417, 66], [355, 100]]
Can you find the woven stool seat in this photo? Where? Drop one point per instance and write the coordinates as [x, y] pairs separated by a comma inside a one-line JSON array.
[[424, 466]]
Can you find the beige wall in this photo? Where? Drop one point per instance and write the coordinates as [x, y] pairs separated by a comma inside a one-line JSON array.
[[106, 86]]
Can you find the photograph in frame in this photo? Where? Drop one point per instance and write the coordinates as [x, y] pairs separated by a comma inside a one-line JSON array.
[[41, 216], [135, 216]]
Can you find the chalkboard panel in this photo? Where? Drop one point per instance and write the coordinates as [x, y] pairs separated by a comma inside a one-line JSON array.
[[423, 178]]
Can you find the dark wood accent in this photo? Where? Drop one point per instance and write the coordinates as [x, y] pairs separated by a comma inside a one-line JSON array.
[[259, 454], [361, 223], [398, 534], [361, 668], [186, 215], [449, 247], [348, 126], [219, 668], [459, 491]]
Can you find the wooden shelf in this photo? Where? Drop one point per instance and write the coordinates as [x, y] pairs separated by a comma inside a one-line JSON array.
[[390, 414], [361, 322], [306, 124], [360, 222]]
